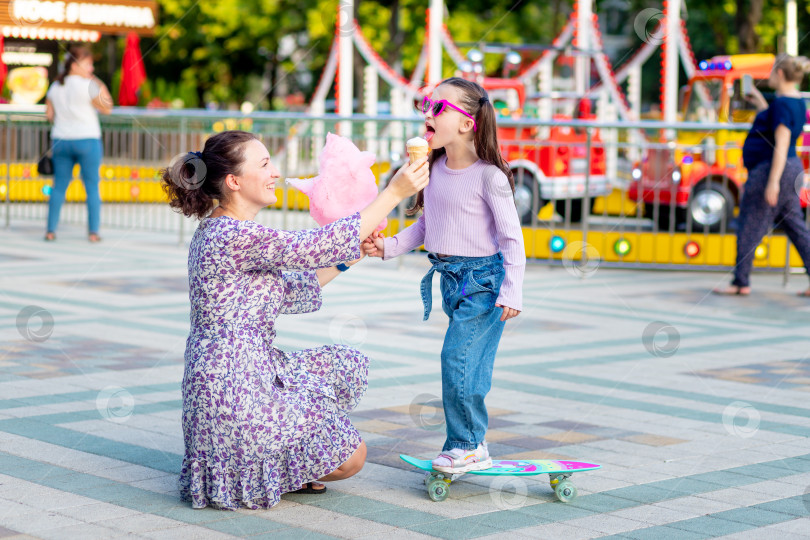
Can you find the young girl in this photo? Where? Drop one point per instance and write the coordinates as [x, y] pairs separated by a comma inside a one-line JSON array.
[[471, 228]]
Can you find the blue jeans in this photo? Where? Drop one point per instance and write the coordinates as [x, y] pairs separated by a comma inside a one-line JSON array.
[[66, 153], [469, 287]]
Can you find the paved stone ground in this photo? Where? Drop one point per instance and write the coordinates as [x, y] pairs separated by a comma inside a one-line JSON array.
[[695, 405]]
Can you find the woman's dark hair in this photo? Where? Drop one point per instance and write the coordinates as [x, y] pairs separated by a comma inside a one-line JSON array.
[[474, 100], [74, 54], [195, 181]]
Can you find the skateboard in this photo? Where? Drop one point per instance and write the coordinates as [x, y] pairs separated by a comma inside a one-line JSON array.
[[559, 472]]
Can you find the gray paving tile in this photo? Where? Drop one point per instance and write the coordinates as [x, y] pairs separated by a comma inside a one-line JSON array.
[[710, 525], [457, 528], [656, 533], [752, 516], [793, 506], [79, 532], [556, 511], [603, 503]]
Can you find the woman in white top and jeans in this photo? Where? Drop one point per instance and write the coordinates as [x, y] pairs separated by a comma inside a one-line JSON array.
[[72, 105]]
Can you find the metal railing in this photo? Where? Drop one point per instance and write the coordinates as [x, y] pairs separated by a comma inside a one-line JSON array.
[[622, 192]]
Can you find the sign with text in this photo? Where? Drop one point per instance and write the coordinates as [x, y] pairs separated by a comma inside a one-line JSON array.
[[102, 16]]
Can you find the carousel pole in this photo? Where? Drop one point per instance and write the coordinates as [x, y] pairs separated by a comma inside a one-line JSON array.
[[370, 96], [672, 12], [435, 16], [791, 30], [582, 42], [634, 99], [345, 26]]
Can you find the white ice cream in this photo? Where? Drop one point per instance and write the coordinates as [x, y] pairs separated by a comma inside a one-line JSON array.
[[416, 142]]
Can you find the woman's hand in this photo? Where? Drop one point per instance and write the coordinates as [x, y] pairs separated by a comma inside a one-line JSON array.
[[410, 179], [508, 313], [756, 98], [782, 142], [374, 245], [772, 193]]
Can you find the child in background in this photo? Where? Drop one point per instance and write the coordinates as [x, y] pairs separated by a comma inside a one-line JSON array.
[[471, 228]]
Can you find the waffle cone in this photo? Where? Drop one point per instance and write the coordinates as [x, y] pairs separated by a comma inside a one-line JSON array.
[[415, 153]]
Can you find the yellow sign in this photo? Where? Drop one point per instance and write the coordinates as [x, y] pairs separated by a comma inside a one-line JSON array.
[[27, 84]]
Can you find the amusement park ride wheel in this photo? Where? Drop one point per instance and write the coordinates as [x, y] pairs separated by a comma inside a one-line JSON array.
[[529, 200], [527, 196], [711, 207]]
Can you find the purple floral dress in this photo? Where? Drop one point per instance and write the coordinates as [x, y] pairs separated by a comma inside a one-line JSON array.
[[258, 422]]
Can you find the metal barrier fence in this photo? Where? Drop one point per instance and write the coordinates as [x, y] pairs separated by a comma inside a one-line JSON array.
[[625, 194]]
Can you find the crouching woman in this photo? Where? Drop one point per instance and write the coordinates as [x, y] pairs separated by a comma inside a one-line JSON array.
[[258, 422]]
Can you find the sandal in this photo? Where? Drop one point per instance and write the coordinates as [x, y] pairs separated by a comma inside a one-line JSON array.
[[308, 489], [804, 294], [50, 236], [733, 290], [94, 238]]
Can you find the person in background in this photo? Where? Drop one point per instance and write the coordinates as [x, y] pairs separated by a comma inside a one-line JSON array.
[[72, 105], [769, 154]]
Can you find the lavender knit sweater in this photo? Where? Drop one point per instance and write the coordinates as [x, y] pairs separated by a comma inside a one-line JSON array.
[[469, 212]]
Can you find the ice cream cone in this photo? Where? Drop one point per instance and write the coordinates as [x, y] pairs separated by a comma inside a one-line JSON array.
[[417, 149]]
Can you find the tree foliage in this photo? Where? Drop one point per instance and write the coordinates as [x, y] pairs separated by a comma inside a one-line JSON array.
[[228, 52]]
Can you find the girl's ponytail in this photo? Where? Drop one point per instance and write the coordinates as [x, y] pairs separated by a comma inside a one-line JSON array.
[[474, 100], [485, 137]]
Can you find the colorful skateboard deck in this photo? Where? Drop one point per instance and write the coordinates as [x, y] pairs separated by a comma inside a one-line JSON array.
[[438, 483]]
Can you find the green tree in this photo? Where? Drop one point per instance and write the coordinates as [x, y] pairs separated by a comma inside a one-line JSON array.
[[230, 51], [216, 45]]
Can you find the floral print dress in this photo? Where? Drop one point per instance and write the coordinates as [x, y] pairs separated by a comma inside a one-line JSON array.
[[258, 422]]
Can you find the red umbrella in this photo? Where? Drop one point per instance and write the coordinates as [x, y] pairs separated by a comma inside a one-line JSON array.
[[132, 71], [3, 68]]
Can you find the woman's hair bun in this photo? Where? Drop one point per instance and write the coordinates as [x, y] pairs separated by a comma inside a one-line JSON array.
[[194, 181]]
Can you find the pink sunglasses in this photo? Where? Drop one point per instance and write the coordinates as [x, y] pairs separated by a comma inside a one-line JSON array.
[[439, 107]]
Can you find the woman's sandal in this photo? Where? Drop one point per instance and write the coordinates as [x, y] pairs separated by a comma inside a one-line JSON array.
[[308, 489], [804, 294], [94, 238], [50, 236], [733, 290]]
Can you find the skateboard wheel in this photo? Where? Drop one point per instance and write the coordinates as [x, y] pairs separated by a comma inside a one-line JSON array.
[[565, 491], [438, 490]]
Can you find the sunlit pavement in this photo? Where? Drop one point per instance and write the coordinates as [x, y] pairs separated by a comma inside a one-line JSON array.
[[695, 405]]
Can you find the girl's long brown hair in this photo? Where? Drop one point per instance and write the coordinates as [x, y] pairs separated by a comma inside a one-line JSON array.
[[74, 54], [474, 100]]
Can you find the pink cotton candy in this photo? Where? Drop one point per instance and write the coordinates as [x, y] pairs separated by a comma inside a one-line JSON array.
[[345, 184]]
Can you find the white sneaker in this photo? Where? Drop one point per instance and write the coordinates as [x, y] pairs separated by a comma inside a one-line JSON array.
[[457, 460]]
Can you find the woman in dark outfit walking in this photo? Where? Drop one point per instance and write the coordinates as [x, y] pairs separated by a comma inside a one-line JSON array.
[[769, 154]]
